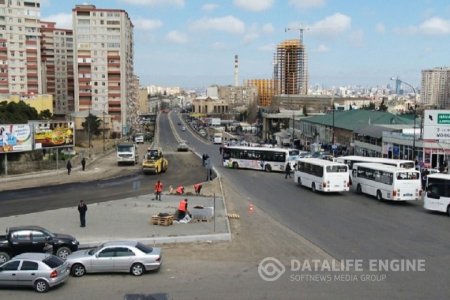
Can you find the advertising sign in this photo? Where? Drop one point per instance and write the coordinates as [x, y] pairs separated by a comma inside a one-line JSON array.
[[436, 125], [53, 134], [15, 138]]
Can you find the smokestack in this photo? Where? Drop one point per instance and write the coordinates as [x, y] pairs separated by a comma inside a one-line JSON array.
[[236, 70]]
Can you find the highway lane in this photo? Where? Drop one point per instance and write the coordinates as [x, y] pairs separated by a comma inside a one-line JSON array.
[[184, 168], [351, 226]]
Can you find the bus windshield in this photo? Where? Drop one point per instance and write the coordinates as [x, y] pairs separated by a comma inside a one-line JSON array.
[[125, 148]]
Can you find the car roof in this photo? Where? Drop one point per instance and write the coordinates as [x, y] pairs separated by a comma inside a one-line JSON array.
[[25, 227], [120, 243], [32, 256]]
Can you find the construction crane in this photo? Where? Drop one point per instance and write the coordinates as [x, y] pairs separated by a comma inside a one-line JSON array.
[[300, 29]]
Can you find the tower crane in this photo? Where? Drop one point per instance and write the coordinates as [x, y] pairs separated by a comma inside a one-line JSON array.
[[300, 29]]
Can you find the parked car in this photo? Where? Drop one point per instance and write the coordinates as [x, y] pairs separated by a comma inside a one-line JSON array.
[[38, 270], [35, 239], [117, 256], [182, 146]]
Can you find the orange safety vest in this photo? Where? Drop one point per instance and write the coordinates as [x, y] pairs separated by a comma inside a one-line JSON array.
[[182, 205], [180, 190], [159, 187]]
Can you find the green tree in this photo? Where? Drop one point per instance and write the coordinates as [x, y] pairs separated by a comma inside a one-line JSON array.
[[92, 124], [305, 111], [383, 106], [45, 115], [17, 112]]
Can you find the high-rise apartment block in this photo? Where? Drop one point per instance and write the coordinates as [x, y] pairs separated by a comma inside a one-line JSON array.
[[20, 71], [435, 90], [290, 68], [57, 67], [103, 70]]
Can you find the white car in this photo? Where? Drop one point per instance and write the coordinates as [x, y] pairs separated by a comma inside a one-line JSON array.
[[118, 256]]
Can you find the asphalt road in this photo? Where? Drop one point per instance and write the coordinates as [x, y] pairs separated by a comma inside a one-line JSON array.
[[345, 226]]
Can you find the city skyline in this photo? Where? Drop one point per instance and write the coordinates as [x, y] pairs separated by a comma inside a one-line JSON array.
[[192, 43]]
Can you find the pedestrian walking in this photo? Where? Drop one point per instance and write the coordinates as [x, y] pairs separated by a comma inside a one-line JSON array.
[[158, 190], [82, 209], [69, 167], [287, 171], [83, 163]]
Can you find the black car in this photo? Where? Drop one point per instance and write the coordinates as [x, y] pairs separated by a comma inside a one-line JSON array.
[[35, 239]]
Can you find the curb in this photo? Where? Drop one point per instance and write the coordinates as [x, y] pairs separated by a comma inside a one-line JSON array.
[[206, 238]]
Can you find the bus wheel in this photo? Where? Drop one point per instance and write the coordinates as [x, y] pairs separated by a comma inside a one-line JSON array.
[[235, 165], [448, 210], [313, 187], [358, 189], [299, 181], [379, 196], [267, 168]]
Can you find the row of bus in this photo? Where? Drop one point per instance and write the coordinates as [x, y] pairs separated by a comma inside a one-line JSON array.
[[383, 178]]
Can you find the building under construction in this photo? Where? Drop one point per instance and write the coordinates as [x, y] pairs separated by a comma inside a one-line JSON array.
[[290, 68]]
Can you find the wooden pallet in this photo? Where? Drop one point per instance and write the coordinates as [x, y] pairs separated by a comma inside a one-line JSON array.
[[233, 216], [163, 221]]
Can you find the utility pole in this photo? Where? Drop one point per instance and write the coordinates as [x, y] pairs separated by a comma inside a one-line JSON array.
[[89, 131], [104, 131]]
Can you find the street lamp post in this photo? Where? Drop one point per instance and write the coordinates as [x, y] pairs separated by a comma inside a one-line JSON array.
[[414, 111]]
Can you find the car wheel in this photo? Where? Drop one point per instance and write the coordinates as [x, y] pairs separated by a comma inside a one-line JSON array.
[[137, 269], [267, 168], [358, 189], [78, 270], [313, 187], [235, 165], [41, 286], [379, 196], [63, 252], [4, 257]]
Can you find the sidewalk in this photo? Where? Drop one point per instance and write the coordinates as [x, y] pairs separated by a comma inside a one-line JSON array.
[[120, 219]]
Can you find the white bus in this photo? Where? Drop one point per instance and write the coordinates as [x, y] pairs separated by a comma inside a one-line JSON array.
[[322, 175], [387, 182], [437, 197], [257, 158], [350, 160]]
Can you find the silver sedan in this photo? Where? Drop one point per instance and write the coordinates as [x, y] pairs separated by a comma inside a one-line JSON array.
[[119, 256], [39, 270]]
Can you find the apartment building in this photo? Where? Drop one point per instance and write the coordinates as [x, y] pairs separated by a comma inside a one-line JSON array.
[[57, 67], [436, 87], [20, 72], [238, 95], [266, 90], [103, 64]]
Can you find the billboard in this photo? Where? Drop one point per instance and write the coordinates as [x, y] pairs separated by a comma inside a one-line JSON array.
[[15, 138], [51, 134], [436, 125]]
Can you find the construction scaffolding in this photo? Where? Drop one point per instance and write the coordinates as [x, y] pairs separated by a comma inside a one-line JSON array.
[[290, 68]]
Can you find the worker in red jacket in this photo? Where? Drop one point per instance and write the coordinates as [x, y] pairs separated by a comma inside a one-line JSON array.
[[158, 190], [197, 188], [182, 208], [180, 190]]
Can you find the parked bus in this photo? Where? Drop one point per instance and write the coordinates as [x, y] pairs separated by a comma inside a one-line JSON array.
[[350, 160], [257, 158], [437, 197], [322, 175], [387, 182]]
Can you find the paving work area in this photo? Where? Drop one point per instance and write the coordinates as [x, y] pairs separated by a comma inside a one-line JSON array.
[[130, 218]]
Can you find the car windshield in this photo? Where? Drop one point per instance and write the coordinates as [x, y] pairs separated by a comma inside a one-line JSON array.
[[49, 233], [125, 148], [95, 250], [53, 261], [144, 248]]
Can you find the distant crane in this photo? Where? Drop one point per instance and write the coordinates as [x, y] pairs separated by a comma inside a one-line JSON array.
[[300, 29]]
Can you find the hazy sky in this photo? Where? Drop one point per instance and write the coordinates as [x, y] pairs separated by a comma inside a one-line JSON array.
[[192, 43]]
